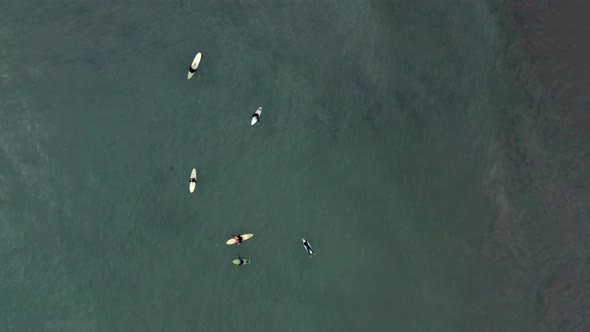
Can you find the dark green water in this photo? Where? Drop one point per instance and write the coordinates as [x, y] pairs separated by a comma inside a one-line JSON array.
[[378, 122]]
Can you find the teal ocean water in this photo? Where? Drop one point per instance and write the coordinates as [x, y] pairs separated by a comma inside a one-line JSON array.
[[374, 144]]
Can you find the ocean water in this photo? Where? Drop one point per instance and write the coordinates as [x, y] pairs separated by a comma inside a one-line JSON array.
[[379, 118]]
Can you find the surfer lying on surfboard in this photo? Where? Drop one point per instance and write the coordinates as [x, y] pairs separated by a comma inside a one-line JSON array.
[[308, 247], [192, 180], [239, 261], [256, 116], [238, 239]]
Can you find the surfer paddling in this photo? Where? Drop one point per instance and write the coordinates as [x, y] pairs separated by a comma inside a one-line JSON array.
[[191, 70], [192, 180], [194, 65], [308, 247], [241, 261], [238, 239], [256, 116]]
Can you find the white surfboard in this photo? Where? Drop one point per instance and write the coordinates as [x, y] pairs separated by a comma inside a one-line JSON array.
[[193, 68], [192, 185], [256, 116]]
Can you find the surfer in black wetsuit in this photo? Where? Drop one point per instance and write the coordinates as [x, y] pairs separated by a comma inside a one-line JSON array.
[[241, 261], [256, 116], [238, 239], [308, 247], [192, 180]]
